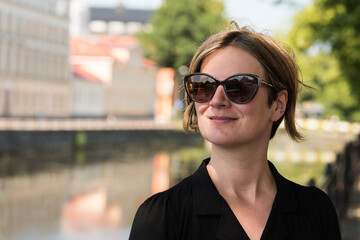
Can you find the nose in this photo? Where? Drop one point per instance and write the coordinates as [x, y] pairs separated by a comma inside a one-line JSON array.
[[220, 99]]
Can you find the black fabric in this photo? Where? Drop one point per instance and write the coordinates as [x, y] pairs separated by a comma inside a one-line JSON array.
[[193, 209]]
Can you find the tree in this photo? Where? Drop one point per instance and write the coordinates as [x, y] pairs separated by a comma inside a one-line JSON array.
[[178, 27], [329, 31], [322, 71]]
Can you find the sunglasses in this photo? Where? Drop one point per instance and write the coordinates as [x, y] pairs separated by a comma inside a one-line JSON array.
[[239, 88]]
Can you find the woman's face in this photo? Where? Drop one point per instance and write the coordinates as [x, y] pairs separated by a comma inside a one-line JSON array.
[[225, 123]]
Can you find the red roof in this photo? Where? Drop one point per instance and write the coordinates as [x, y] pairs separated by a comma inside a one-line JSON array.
[[79, 71], [100, 45], [103, 46], [117, 41], [83, 47]]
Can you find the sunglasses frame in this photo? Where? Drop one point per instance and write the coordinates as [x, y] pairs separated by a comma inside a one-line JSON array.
[[223, 82]]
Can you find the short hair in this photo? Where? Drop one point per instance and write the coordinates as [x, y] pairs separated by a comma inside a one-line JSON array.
[[281, 70]]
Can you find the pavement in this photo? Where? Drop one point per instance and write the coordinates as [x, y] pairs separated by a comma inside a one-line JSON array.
[[350, 225]]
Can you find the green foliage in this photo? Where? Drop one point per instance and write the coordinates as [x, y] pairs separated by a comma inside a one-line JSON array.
[[179, 27], [326, 36], [322, 71]]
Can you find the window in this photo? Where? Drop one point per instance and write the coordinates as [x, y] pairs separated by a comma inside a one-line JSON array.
[[12, 59], [98, 27], [116, 28], [3, 56], [133, 27]]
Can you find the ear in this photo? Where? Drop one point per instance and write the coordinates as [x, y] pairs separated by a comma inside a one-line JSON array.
[[279, 105]]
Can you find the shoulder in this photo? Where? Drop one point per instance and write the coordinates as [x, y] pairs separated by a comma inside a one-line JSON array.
[[316, 207], [158, 216], [181, 195], [170, 199], [310, 197], [306, 197]]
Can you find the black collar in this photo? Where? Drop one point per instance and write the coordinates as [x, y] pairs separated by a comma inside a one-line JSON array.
[[208, 201]]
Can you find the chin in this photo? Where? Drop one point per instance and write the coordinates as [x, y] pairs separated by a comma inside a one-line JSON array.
[[225, 142]]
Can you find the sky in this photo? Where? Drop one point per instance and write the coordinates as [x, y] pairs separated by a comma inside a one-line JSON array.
[[259, 13]]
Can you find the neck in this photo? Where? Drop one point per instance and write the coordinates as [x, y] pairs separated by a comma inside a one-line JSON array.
[[241, 172]]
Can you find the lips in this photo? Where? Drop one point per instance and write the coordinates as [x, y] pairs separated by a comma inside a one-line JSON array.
[[221, 119]]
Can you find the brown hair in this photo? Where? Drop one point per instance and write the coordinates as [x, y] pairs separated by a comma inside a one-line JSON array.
[[279, 64]]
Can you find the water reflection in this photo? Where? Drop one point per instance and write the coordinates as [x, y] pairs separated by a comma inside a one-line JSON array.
[[82, 195], [161, 173], [90, 210], [94, 195]]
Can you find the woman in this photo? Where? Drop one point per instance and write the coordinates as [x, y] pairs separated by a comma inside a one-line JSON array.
[[240, 86]]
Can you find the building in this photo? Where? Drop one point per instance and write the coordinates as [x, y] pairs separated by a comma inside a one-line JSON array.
[[118, 21], [132, 91], [118, 62], [34, 71], [107, 51], [79, 18], [87, 94]]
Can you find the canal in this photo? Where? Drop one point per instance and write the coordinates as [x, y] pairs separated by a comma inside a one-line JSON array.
[[94, 194]]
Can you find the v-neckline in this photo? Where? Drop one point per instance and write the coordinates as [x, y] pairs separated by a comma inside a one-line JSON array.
[[230, 218], [208, 201]]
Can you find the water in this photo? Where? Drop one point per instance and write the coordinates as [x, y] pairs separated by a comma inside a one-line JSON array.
[[94, 195], [85, 194]]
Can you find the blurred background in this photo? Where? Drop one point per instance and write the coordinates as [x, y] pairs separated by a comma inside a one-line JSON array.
[[91, 106]]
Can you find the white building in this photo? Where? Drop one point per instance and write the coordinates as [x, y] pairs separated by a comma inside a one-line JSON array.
[[87, 94], [129, 80], [132, 92], [34, 71], [79, 18]]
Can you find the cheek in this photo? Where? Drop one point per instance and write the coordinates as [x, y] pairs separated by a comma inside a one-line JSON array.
[[245, 110], [200, 109]]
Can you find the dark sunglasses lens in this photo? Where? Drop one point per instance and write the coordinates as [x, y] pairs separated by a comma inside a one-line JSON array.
[[241, 89], [200, 88]]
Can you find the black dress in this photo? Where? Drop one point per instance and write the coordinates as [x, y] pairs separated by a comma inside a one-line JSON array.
[[193, 209]]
